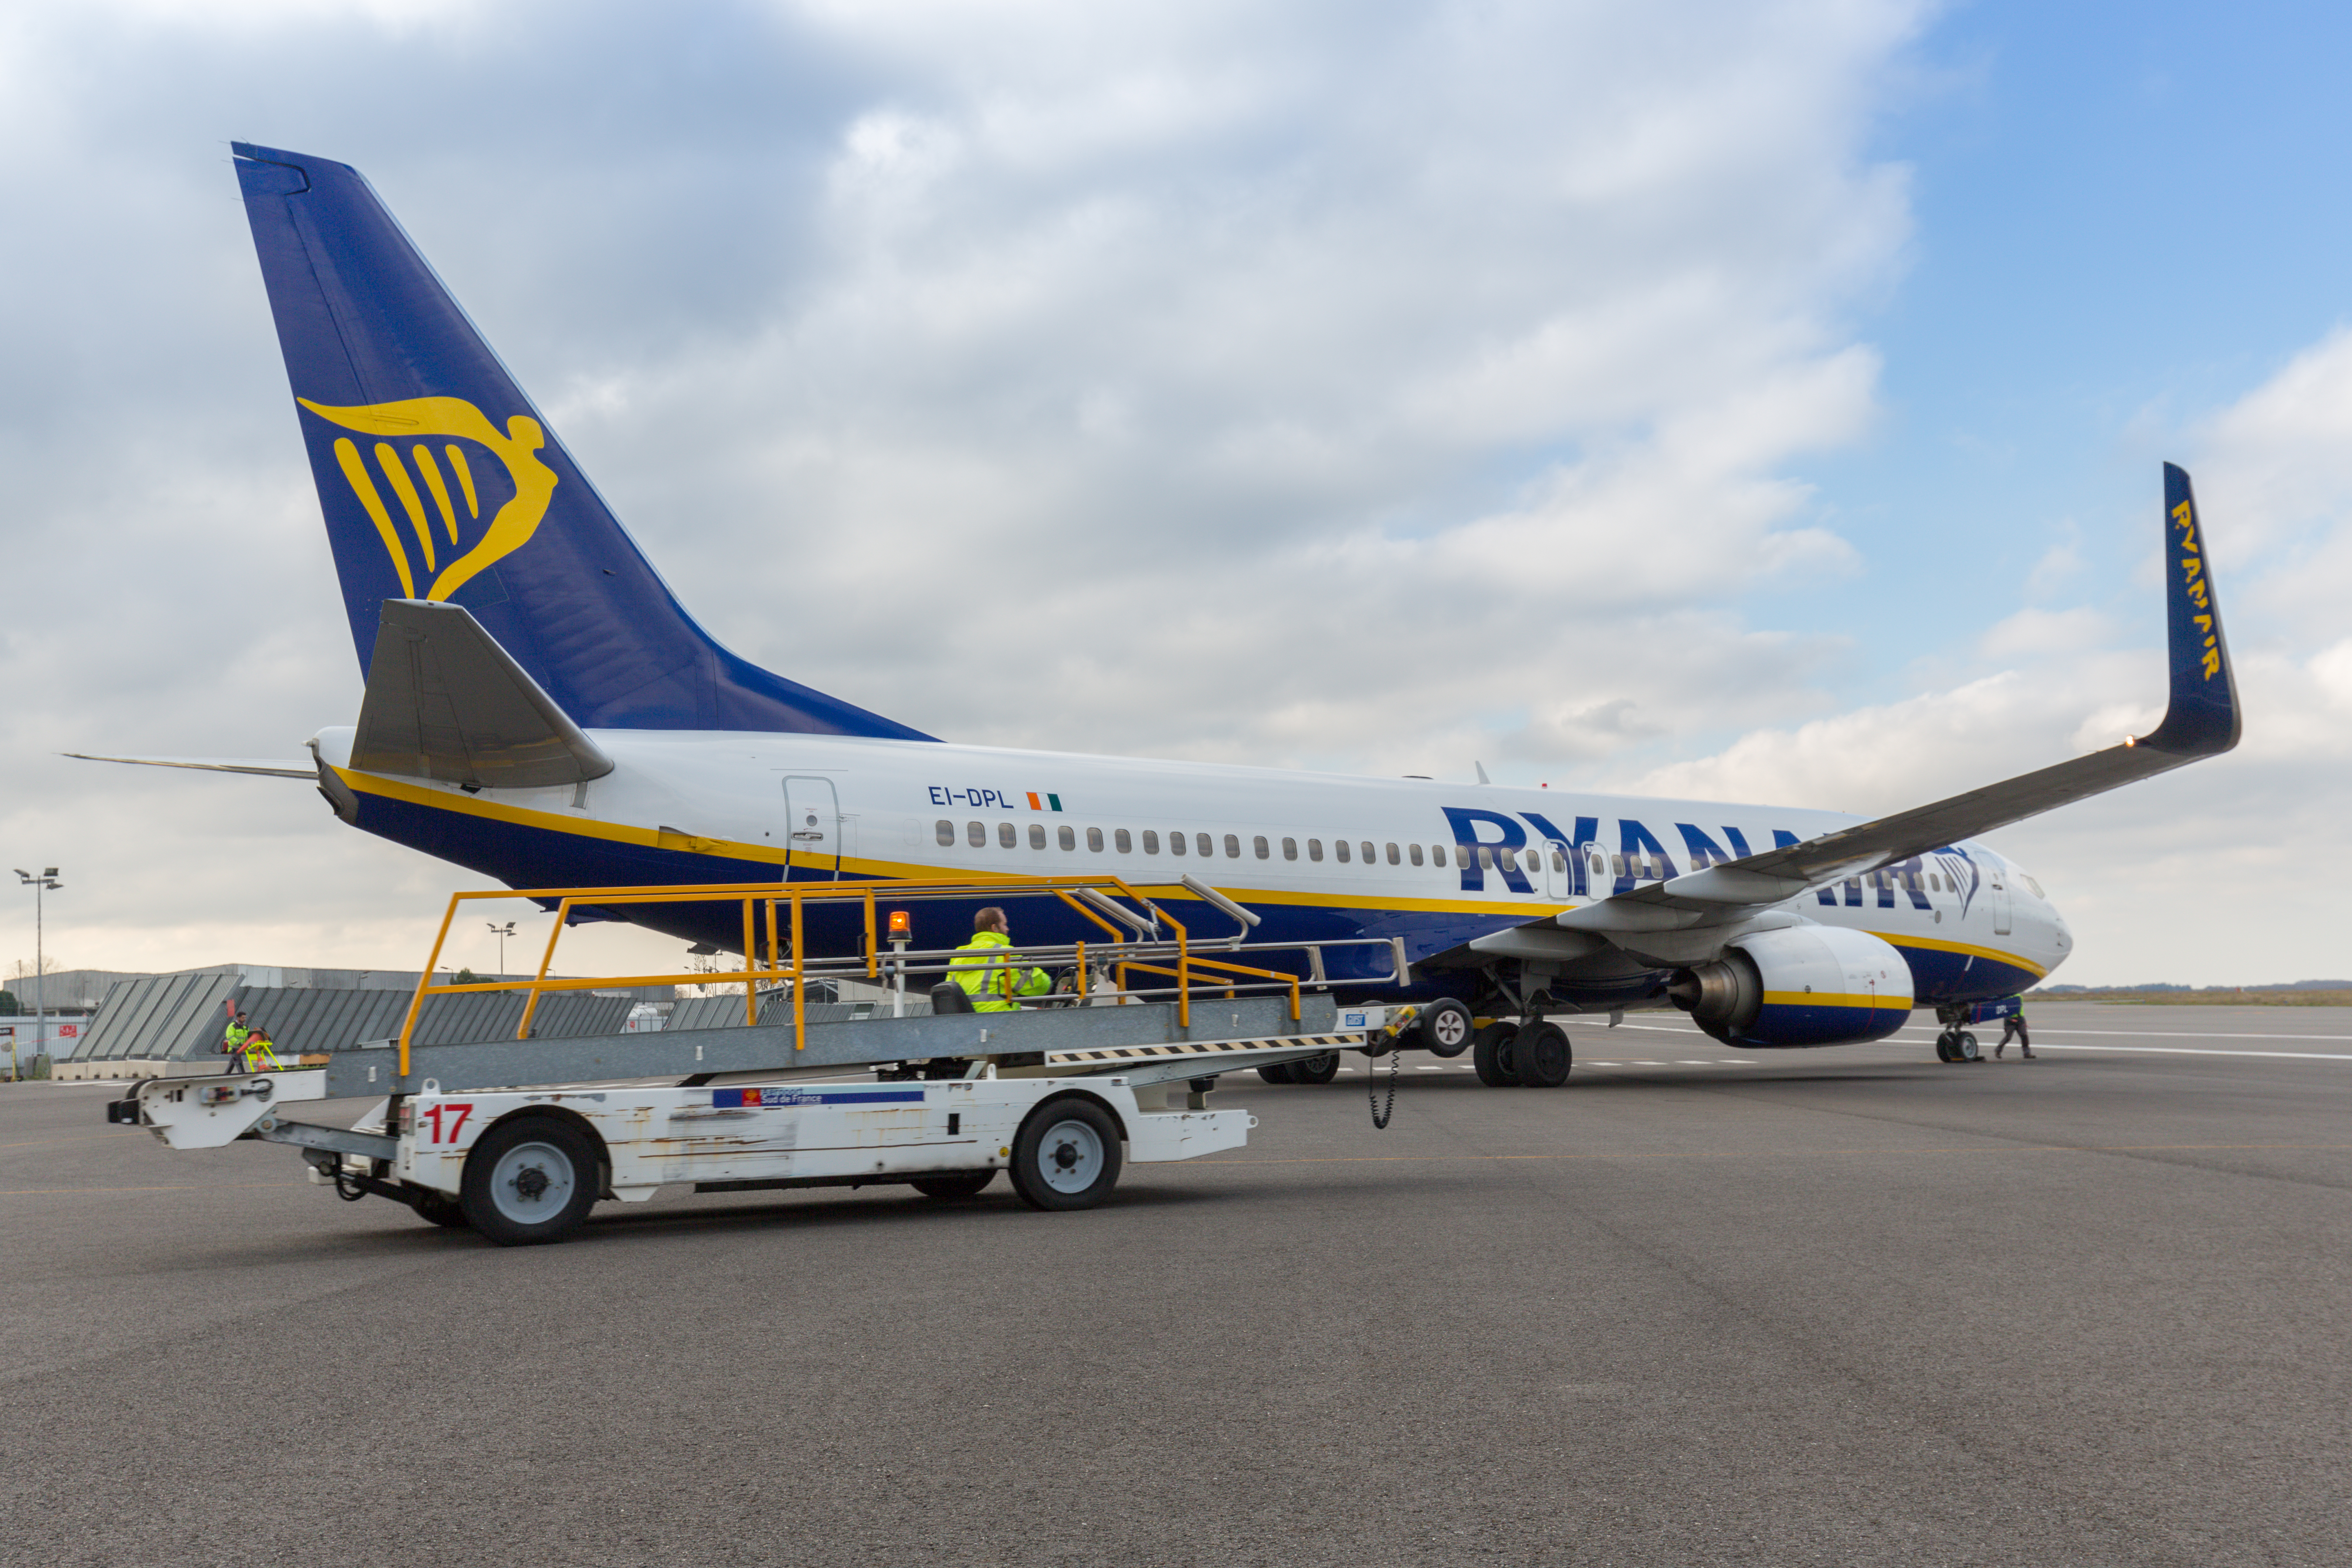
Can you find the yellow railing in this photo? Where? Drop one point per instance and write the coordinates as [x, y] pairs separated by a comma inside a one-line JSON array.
[[786, 954]]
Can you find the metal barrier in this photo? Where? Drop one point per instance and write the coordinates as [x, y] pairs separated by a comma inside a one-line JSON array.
[[1139, 949]]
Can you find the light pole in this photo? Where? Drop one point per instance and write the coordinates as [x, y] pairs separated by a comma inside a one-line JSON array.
[[44, 883], [501, 933]]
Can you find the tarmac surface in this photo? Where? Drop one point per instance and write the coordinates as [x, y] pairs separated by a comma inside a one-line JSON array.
[[1699, 1306]]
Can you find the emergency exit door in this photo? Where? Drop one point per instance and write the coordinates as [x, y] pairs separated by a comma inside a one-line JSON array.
[[812, 824]]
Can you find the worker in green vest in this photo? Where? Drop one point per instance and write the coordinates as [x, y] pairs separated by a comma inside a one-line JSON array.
[[995, 980]]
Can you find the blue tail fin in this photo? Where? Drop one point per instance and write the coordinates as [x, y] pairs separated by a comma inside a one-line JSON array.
[[440, 480]]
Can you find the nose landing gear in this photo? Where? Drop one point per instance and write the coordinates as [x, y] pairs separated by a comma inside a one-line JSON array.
[[1956, 1045]]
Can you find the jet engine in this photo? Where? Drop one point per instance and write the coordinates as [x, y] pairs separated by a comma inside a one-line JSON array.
[[1800, 986]]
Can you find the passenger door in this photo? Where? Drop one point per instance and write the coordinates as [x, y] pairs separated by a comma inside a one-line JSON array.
[[1997, 894], [813, 827]]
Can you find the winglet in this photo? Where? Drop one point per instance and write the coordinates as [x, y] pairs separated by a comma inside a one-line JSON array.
[[2202, 719]]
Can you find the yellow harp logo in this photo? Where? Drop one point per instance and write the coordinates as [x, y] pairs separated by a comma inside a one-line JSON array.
[[414, 424]]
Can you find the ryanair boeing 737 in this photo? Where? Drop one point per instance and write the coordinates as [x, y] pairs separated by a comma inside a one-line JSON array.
[[541, 709]]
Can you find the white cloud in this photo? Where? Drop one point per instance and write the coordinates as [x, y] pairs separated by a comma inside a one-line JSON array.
[[1369, 388], [2217, 873]]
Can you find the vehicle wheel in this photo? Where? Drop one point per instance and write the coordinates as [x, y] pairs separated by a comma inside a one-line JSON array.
[[1315, 1069], [1065, 1155], [1543, 1053], [1447, 1029], [1964, 1047], [530, 1178], [1943, 1047], [959, 1184], [436, 1208], [1489, 1053], [1277, 1073]]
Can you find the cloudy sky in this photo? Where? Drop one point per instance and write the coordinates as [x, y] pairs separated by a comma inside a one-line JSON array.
[[1759, 401]]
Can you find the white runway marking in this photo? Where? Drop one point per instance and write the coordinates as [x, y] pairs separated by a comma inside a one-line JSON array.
[[2196, 1051]]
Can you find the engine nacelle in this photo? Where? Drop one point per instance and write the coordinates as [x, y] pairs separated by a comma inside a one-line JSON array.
[[1800, 986]]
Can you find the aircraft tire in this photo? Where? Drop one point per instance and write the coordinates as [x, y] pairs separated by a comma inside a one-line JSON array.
[[1446, 1029], [954, 1185], [1488, 1053], [1943, 1047], [1542, 1053], [1277, 1072], [1964, 1047], [1315, 1069]]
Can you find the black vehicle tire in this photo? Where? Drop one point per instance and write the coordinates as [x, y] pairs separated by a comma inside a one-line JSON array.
[[438, 1208], [1065, 1155], [1277, 1073], [1488, 1055], [1446, 1029], [1944, 1048], [529, 1180], [1315, 1069], [1542, 1052], [958, 1184]]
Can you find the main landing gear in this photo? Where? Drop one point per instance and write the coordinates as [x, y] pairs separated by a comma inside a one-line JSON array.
[[1533, 1055]]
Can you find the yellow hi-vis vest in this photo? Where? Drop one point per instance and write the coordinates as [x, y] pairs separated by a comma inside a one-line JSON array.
[[995, 980]]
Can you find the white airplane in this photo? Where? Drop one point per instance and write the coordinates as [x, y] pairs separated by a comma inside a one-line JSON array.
[[541, 709]]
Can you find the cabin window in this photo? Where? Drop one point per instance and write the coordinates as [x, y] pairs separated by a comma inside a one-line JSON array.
[[1150, 842], [1122, 843], [1437, 854], [1258, 843], [1094, 839], [1291, 849], [1006, 836], [1200, 842], [1233, 847], [1486, 858], [1339, 850], [946, 832], [1175, 844], [1558, 860], [1314, 849], [1367, 847], [1394, 859], [1036, 836], [978, 835], [1069, 837], [1616, 864], [1414, 849]]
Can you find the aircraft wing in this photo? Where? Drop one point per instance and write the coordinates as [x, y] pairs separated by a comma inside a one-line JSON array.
[[2200, 720], [269, 767]]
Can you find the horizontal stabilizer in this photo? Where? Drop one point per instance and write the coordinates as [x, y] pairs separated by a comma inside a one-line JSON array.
[[2201, 719], [445, 701], [269, 767]]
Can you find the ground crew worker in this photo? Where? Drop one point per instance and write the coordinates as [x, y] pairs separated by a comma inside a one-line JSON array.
[[233, 1037], [2015, 1025], [995, 980]]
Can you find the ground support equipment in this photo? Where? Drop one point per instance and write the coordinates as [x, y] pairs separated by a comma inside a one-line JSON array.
[[520, 1139]]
